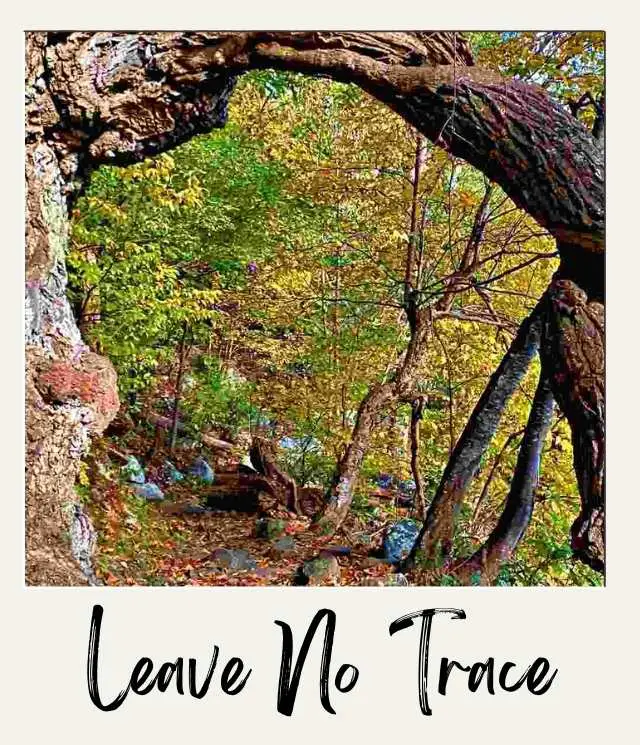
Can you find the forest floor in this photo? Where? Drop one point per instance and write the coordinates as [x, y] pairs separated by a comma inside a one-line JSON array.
[[182, 540]]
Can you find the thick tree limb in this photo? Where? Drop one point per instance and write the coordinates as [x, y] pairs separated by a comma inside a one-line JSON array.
[[436, 535], [573, 359], [145, 92], [485, 564]]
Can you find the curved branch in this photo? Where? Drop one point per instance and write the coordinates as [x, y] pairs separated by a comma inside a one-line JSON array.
[[133, 94]]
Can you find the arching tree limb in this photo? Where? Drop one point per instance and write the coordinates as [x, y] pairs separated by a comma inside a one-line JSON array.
[[484, 565]]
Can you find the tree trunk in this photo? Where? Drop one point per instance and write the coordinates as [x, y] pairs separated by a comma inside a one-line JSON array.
[[417, 407], [343, 485], [436, 535], [573, 359], [178, 393], [483, 567]]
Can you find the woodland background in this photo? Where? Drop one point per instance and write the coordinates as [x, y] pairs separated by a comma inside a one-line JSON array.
[[253, 285]]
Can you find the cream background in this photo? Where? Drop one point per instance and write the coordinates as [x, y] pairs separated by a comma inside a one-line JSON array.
[[588, 634]]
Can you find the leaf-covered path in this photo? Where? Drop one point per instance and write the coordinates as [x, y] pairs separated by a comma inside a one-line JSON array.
[[180, 541]]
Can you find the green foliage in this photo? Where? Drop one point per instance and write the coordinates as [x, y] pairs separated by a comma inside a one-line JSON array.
[[219, 398]]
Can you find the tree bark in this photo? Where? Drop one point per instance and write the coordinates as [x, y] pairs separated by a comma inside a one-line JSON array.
[[436, 536], [483, 567], [417, 408], [573, 359]]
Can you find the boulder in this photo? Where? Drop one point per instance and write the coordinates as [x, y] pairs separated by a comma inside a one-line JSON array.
[[399, 539], [322, 570], [201, 470], [270, 528], [133, 471], [236, 559], [149, 491]]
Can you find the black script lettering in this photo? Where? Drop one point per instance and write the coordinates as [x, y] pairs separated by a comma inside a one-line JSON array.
[[141, 681], [404, 622], [288, 684]]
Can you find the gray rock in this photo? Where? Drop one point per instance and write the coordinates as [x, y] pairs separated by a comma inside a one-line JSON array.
[[170, 473], [201, 470], [322, 570], [150, 491], [236, 559], [133, 471], [284, 545], [269, 528], [392, 580], [399, 539], [266, 572]]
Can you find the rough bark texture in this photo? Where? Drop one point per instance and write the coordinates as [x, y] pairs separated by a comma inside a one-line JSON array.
[[484, 565], [436, 535], [573, 359], [118, 97]]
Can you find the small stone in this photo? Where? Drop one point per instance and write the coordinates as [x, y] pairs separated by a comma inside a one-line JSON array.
[[150, 491], [397, 580], [133, 471], [170, 473], [392, 580], [384, 481], [323, 570], [201, 470], [284, 545], [266, 572], [236, 559], [269, 528]]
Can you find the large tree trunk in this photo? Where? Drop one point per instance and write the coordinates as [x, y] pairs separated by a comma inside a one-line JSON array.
[[573, 359], [118, 97], [483, 567]]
